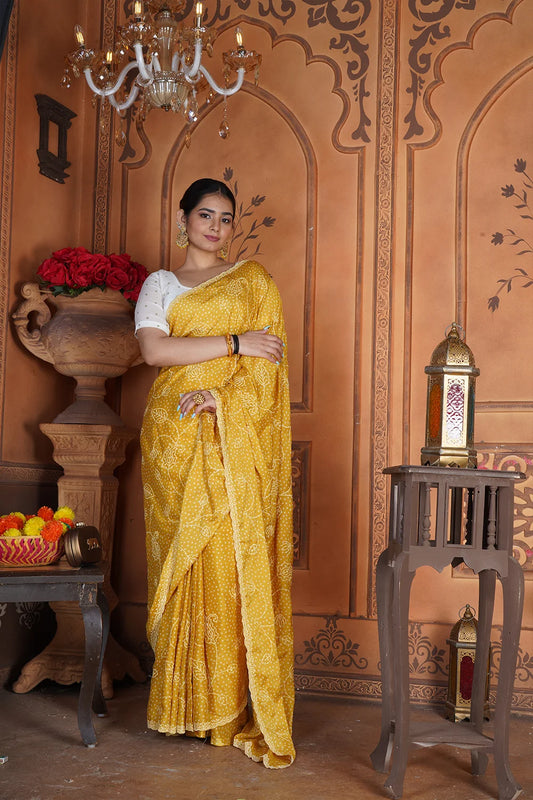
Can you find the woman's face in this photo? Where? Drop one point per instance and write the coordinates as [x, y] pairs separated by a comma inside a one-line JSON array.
[[210, 224]]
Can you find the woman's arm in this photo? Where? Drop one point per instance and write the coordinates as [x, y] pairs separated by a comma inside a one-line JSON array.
[[160, 350]]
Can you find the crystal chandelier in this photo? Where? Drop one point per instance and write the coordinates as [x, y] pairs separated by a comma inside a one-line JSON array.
[[167, 57]]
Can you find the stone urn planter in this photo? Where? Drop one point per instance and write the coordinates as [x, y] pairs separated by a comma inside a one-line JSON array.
[[89, 337]]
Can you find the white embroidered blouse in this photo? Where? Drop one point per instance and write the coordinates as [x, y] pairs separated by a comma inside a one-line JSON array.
[[157, 293]]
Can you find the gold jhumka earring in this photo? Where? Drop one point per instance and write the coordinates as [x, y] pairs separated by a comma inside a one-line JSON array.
[[182, 239], [223, 252]]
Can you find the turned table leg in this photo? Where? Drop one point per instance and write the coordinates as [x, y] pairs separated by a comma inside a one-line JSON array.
[[93, 623], [381, 756], [400, 638], [513, 602]]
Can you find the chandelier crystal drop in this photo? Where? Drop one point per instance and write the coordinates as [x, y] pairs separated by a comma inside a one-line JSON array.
[[167, 59]]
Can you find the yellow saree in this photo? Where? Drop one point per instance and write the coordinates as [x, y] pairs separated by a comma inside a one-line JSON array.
[[218, 513]]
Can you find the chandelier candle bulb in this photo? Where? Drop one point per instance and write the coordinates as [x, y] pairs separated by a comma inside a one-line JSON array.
[[238, 36], [138, 8], [199, 11], [78, 33]]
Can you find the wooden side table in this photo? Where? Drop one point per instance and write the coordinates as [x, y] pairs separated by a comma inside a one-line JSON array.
[[84, 586], [443, 516]]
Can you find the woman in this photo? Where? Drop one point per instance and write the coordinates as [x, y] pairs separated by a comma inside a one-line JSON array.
[[216, 450]]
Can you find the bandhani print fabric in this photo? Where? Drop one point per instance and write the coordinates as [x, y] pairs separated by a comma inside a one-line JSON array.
[[218, 512]]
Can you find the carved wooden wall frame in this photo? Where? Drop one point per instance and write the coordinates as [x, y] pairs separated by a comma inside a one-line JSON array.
[[53, 165]]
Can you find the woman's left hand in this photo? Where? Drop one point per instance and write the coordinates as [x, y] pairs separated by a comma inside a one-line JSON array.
[[189, 403]]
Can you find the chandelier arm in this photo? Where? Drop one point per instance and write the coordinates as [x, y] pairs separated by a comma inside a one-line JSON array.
[[196, 65], [127, 103], [155, 63], [224, 92], [144, 69], [112, 90]]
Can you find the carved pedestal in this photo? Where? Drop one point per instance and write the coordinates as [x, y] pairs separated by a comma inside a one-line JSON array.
[[89, 454]]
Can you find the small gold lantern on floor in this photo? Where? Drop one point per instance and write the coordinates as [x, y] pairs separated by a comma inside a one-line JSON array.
[[462, 644], [450, 404]]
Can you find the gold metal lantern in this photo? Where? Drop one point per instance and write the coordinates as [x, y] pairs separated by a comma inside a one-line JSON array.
[[462, 642], [450, 404]]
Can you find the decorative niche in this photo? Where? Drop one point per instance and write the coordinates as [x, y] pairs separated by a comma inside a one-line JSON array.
[[55, 120]]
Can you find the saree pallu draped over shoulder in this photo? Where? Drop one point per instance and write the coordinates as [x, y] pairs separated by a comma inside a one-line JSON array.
[[218, 512]]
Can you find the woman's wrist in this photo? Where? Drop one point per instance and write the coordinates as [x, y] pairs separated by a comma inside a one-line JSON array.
[[232, 344]]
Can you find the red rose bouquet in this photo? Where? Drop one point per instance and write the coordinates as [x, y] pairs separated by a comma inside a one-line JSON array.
[[74, 270]]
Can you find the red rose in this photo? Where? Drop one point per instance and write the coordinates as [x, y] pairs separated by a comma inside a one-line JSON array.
[[132, 294], [101, 267], [81, 275], [68, 254], [53, 271], [88, 269], [140, 272], [118, 273], [121, 261]]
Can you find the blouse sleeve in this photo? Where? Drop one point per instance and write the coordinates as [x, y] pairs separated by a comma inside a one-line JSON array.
[[149, 310]]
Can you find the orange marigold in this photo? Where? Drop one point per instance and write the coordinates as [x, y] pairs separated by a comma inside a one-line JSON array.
[[53, 531], [10, 521], [45, 513]]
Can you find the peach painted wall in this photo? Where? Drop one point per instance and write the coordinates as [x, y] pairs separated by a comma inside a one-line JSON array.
[[380, 138]]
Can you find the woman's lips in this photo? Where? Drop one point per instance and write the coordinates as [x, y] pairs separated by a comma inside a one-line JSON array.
[[212, 238]]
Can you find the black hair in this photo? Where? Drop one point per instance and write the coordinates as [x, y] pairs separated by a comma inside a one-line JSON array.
[[201, 188]]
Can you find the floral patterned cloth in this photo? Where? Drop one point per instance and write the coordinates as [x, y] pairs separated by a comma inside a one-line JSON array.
[[218, 511]]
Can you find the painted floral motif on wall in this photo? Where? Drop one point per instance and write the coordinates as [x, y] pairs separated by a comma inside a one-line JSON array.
[[425, 658], [523, 501], [331, 648], [29, 614], [514, 238], [428, 31], [436, 23], [523, 672], [346, 18]]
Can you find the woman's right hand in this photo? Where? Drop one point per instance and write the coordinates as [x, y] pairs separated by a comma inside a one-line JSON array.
[[261, 344]]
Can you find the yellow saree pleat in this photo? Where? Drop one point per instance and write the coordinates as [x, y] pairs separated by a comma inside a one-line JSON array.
[[218, 512]]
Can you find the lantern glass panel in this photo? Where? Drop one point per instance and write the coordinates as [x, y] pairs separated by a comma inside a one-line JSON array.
[[434, 412], [455, 412]]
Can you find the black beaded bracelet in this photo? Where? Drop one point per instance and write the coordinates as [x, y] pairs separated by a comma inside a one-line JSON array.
[[235, 344]]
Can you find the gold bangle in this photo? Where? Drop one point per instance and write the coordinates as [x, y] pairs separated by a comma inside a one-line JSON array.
[[229, 344]]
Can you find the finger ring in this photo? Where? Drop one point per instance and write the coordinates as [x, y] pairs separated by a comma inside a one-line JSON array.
[[198, 399]]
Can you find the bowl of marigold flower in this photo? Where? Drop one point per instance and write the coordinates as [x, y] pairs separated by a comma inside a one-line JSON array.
[[34, 540]]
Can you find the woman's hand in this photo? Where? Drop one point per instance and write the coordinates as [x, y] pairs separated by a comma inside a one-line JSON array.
[[188, 403], [261, 344]]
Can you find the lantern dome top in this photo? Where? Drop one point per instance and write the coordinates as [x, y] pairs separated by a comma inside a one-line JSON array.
[[453, 351], [465, 630]]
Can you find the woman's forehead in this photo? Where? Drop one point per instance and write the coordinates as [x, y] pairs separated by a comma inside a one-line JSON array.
[[216, 202]]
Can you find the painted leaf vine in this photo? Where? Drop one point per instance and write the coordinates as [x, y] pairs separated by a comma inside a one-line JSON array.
[[248, 222], [513, 238]]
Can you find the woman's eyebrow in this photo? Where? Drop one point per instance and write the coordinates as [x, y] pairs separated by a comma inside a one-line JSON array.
[[212, 211]]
